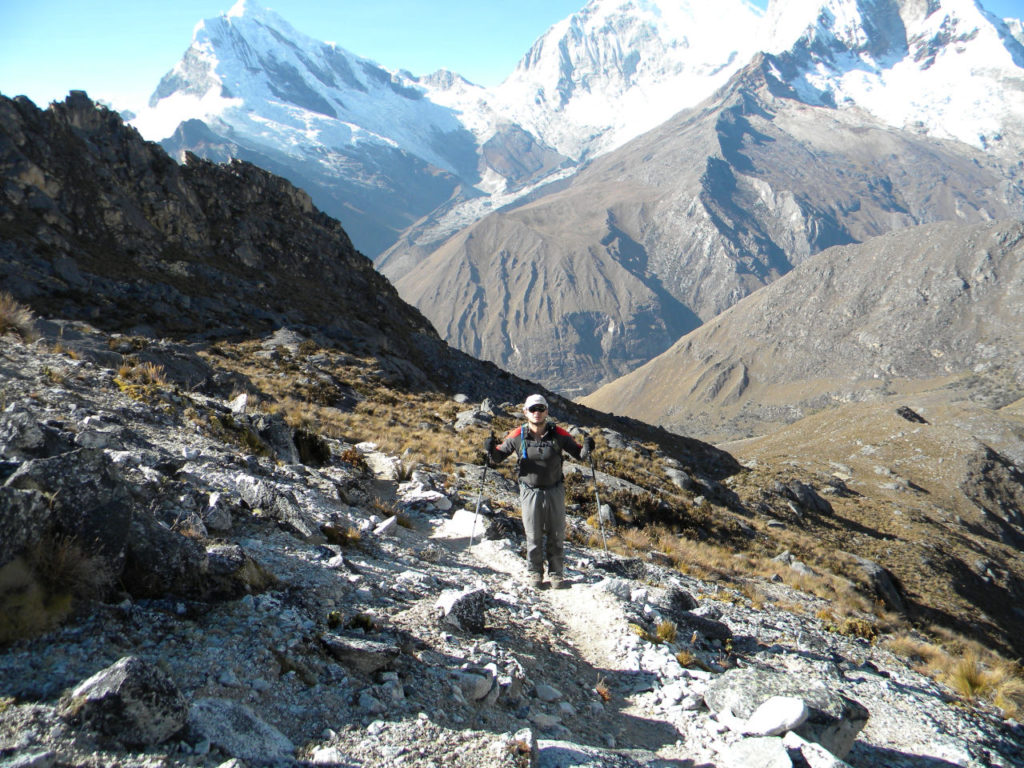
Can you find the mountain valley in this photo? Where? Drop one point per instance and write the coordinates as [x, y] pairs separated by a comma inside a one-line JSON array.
[[822, 123]]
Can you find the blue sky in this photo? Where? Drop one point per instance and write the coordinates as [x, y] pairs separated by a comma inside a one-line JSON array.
[[118, 50]]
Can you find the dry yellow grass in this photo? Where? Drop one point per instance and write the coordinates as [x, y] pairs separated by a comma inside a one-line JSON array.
[[665, 632]]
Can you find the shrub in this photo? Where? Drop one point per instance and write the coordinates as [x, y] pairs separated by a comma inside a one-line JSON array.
[[356, 459], [969, 677]]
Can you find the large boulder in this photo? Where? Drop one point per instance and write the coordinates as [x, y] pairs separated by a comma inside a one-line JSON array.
[[130, 702], [279, 505], [833, 720], [88, 499], [159, 561], [882, 583]]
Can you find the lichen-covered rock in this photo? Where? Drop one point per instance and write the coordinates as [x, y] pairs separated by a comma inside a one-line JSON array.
[[24, 516], [131, 702], [159, 561], [464, 610], [363, 654]]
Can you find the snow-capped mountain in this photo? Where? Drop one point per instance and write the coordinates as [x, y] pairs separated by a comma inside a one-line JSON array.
[[368, 144], [616, 69], [388, 152], [866, 116], [251, 71], [946, 68], [380, 149], [1016, 27]]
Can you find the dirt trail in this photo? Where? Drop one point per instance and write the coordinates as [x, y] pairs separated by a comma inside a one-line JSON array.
[[592, 622]]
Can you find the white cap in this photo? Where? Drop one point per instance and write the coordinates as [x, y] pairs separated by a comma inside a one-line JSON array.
[[535, 400]]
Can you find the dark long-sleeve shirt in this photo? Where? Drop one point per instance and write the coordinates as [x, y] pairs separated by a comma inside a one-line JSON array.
[[540, 465]]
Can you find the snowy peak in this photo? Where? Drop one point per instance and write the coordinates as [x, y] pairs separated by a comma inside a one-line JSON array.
[[947, 68], [619, 67], [251, 71]]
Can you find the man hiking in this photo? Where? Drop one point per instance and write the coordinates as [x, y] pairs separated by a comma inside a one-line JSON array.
[[539, 445]]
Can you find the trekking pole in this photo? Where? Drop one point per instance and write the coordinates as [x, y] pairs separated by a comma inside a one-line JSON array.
[[479, 498], [597, 496]]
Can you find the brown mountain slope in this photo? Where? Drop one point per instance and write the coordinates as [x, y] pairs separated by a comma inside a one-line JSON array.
[[936, 501], [587, 281], [933, 306]]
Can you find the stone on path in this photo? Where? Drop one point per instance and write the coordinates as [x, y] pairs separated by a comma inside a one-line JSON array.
[[464, 610], [235, 729]]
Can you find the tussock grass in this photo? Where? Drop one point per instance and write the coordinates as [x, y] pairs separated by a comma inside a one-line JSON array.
[[665, 632], [16, 318], [39, 589], [972, 672], [141, 381]]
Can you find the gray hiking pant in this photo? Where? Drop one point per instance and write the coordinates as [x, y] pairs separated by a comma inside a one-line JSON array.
[[544, 521]]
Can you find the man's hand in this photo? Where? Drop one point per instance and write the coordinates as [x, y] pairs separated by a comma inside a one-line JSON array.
[[490, 444], [588, 446]]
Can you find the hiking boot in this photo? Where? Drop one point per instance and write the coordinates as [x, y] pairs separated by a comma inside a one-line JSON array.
[[557, 581], [537, 580]]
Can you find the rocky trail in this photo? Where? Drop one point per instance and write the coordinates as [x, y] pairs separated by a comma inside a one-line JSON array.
[[273, 612]]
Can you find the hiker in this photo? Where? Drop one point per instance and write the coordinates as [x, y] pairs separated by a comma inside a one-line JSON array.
[[539, 446]]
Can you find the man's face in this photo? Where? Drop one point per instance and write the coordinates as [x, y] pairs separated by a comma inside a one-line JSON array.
[[536, 414]]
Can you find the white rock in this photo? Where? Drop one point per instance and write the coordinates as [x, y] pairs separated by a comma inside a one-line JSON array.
[[692, 703], [673, 693], [757, 753], [239, 404], [474, 687], [776, 716], [620, 588], [329, 756], [462, 525], [730, 721], [387, 528], [638, 595]]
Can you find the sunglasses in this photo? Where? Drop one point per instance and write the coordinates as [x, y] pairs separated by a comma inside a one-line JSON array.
[[538, 408]]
